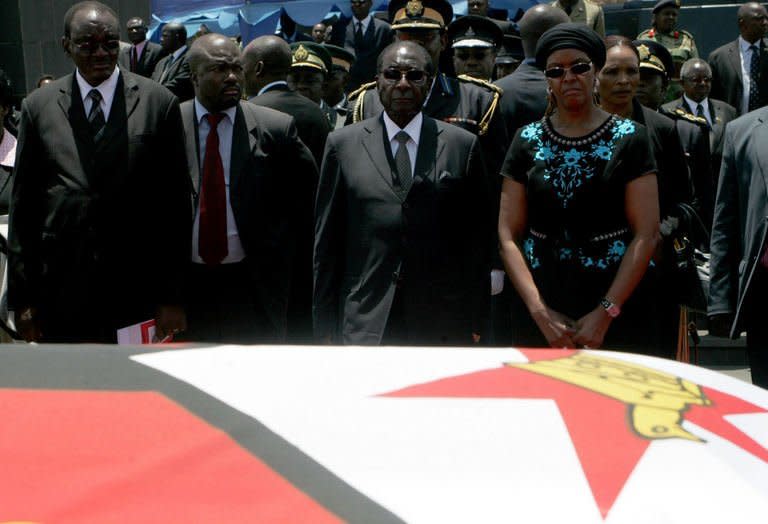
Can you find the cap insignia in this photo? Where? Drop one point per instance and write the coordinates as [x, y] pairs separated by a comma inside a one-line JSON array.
[[414, 8]]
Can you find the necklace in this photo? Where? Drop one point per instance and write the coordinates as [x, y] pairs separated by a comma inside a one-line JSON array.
[[579, 141]]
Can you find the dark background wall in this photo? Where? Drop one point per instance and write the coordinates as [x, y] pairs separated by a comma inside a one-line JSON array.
[[30, 37]]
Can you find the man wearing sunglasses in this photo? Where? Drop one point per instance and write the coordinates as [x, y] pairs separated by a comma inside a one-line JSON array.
[[101, 208], [403, 221]]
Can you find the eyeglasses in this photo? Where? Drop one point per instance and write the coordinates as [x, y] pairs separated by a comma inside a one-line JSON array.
[[414, 76], [91, 46], [577, 69]]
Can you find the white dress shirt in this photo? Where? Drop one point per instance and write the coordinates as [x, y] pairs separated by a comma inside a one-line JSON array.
[[224, 130], [414, 132], [139, 49], [271, 85], [364, 22], [7, 149], [746, 61], [708, 114], [106, 88]]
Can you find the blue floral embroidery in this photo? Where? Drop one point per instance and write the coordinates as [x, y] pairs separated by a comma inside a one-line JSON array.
[[528, 252], [568, 169]]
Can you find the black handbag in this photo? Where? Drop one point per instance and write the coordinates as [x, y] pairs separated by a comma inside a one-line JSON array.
[[691, 265]]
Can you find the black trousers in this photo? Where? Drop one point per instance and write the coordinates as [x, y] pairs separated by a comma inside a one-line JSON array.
[[756, 324], [221, 307]]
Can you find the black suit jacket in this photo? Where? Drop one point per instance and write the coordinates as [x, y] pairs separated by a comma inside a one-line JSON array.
[[272, 174], [741, 208], [525, 97], [311, 123], [376, 37], [99, 234], [431, 245], [177, 76], [725, 62], [149, 58]]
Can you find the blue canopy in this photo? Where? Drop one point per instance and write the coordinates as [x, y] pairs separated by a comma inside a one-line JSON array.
[[252, 18]]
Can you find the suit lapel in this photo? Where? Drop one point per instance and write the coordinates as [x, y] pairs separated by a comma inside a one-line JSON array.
[[759, 139], [191, 141], [430, 148], [71, 102], [734, 57], [374, 141], [243, 140]]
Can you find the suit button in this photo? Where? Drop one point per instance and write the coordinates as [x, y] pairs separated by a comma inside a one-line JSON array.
[[405, 205], [395, 276]]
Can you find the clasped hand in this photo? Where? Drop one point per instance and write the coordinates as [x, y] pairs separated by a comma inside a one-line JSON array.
[[563, 332]]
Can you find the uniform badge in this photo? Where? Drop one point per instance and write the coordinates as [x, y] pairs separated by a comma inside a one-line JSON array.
[[301, 54], [644, 52], [414, 8]]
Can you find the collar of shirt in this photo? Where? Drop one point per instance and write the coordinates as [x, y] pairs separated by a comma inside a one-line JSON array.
[[342, 105], [744, 45], [8, 149], [140, 48], [413, 128], [431, 88], [178, 53], [106, 88], [693, 104], [271, 85], [365, 21], [201, 111], [530, 61]]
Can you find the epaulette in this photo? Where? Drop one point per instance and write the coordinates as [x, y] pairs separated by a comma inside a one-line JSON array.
[[685, 33], [359, 93], [482, 127], [682, 114]]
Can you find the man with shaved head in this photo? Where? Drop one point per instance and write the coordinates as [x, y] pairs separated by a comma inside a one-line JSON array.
[[100, 206], [173, 70], [252, 180], [740, 68], [141, 56], [524, 101]]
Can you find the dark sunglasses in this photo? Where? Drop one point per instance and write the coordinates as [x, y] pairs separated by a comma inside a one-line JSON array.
[[576, 69], [477, 55], [415, 76], [91, 46]]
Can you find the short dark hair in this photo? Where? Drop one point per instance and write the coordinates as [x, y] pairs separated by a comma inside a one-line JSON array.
[[612, 41], [88, 4], [429, 67]]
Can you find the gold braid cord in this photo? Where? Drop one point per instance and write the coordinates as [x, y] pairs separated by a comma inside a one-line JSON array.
[[497, 92], [359, 93]]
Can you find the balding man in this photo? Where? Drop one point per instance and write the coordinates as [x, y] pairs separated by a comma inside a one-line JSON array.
[[524, 101], [252, 180], [173, 70], [696, 77], [740, 68], [402, 220], [266, 62], [100, 207], [142, 56]]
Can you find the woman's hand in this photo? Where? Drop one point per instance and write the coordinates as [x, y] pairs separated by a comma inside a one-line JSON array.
[[591, 328], [557, 328]]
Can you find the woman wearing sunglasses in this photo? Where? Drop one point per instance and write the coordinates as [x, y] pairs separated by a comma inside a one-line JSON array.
[[617, 86], [579, 214]]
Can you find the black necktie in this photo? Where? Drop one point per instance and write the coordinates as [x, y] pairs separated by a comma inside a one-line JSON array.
[[754, 73], [403, 163], [96, 116], [359, 34], [700, 113], [134, 59]]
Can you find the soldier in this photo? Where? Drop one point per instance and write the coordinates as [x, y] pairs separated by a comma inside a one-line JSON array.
[[310, 65], [334, 95], [678, 42], [509, 57], [475, 42]]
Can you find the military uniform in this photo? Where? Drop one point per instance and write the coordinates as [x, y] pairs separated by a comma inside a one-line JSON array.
[[679, 43]]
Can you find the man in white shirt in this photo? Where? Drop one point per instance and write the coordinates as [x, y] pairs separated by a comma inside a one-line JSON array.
[[366, 37], [740, 68], [402, 221], [252, 180]]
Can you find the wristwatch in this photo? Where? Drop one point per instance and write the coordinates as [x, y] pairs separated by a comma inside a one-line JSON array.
[[612, 309]]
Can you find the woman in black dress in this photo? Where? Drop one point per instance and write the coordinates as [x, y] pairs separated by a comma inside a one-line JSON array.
[[579, 213]]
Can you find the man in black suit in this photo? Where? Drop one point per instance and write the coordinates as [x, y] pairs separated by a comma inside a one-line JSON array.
[[365, 36], [739, 264], [143, 55], [266, 62], [524, 101], [100, 207], [740, 68], [696, 76], [252, 179], [402, 221], [173, 70]]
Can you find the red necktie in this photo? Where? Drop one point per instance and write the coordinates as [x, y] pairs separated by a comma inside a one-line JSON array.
[[212, 240]]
